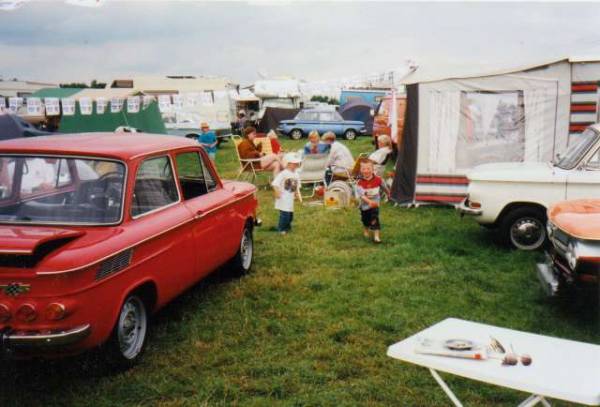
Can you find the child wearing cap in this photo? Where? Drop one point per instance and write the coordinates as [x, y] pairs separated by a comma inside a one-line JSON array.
[[208, 139], [286, 187]]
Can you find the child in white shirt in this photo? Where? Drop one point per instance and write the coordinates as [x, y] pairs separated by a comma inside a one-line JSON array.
[[286, 187]]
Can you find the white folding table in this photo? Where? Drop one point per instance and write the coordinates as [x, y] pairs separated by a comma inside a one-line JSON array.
[[561, 369]]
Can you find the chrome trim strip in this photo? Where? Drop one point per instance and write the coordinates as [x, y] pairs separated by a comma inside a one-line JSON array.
[[46, 273], [16, 251], [53, 339]]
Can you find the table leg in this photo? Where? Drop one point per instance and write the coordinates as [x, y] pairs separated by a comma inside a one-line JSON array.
[[445, 387], [533, 400]]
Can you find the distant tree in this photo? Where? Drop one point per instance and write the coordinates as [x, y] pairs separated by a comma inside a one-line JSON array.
[[74, 85], [94, 84], [97, 85], [324, 99]]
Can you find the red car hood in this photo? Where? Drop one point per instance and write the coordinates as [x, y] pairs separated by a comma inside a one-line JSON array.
[[579, 218], [25, 239]]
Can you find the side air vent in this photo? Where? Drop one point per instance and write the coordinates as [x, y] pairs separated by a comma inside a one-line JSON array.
[[114, 264]]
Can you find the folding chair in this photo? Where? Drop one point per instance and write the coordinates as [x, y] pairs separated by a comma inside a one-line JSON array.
[[265, 144], [250, 166], [313, 170]]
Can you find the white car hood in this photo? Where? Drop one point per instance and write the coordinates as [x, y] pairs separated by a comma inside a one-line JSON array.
[[517, 172]]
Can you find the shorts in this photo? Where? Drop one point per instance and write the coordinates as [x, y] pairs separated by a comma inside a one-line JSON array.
[[370, 218]]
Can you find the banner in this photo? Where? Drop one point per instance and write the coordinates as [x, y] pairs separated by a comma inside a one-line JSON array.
[[101, 105], [190, 99], [164, 103], [86, 106], [52, 106], [68, 106], [133, 104], [207, 99], [116, 104], [177, 102], [34, 107], [14, 103]]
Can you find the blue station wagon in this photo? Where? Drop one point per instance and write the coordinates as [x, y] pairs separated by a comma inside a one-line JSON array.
[[308, 120]]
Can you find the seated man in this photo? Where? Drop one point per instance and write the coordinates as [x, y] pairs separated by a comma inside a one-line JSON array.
[[340, 157]]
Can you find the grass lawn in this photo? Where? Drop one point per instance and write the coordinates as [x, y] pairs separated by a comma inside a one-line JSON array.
[[310, 325]]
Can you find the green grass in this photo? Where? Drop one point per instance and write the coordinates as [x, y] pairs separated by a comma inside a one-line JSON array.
[[310, 325]]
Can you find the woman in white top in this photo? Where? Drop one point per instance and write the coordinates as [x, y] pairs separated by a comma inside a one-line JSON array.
[[340, 157]]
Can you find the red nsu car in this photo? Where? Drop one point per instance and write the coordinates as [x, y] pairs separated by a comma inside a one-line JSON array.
[[98, 231]]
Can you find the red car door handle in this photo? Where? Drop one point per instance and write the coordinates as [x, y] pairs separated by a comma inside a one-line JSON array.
[[199, 213]]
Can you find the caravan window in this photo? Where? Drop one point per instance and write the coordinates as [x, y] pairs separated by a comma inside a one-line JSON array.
[[491, 128]]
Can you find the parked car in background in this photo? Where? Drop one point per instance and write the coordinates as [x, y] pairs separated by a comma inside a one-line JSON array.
[[100, 230], [573, 259], [308, 120], [381, 120], [514, 197]]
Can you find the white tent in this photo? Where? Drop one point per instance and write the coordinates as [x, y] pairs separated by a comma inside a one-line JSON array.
[[455, 124]]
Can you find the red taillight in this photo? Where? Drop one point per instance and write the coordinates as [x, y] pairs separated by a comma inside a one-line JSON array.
[[26, 313], [55, 312], [4, 313]]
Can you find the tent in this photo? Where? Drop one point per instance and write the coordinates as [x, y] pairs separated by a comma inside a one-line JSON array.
[[147, 120], [12, 126], [358, 110], [518, 115], [272, 116], [56, 92]]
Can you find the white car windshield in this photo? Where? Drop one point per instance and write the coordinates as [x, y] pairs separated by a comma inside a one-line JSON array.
[[577, 149], [60, 190]]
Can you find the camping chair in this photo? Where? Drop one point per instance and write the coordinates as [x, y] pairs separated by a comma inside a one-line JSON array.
[[250, 166], [265, 142], [313, 170]]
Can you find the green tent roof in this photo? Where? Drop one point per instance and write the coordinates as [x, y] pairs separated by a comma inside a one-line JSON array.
[[148, 120], [56, 92]]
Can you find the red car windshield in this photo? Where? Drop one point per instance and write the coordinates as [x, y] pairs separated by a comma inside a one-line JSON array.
[[60, 190]]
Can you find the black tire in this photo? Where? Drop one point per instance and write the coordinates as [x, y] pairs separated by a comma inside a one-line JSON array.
[[524, 228], [296, 134], [128, 339], [241, 263], [350, 134]]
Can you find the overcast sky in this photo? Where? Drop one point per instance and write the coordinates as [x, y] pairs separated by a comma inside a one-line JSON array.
[[59, 42]]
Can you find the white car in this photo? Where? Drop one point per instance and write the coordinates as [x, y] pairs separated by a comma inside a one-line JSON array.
[[514, 197]]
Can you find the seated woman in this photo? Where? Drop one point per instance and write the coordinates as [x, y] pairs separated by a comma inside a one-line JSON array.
[[248, 150], [384, 149], [314, 145]]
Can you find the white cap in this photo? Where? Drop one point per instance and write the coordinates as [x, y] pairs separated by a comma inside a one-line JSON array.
[[293, 158]]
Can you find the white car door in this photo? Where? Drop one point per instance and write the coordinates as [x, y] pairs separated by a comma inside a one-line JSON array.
[[584, 181]]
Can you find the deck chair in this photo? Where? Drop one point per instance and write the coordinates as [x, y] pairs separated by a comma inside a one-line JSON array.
[[312, 170], [249, 167], [265, 144]]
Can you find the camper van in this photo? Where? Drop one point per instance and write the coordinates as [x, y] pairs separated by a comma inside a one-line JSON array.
[[381, 121]]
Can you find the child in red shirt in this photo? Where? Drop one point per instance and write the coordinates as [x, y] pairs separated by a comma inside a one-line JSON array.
[[368, 191]]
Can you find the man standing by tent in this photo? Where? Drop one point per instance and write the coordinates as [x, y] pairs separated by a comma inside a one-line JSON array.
[[208, 139]]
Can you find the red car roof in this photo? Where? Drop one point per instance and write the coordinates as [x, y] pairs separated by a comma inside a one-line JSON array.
[[122, 146]]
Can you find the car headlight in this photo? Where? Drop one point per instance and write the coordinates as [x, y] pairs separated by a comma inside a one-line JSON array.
[[571, 256]]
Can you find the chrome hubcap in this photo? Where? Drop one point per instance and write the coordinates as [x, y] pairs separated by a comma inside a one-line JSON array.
[[246, 248], [296, 135], [132, 326], [350, 135], [527, 233]]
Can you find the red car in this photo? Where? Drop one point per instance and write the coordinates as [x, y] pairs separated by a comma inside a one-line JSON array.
[[98, 231]]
